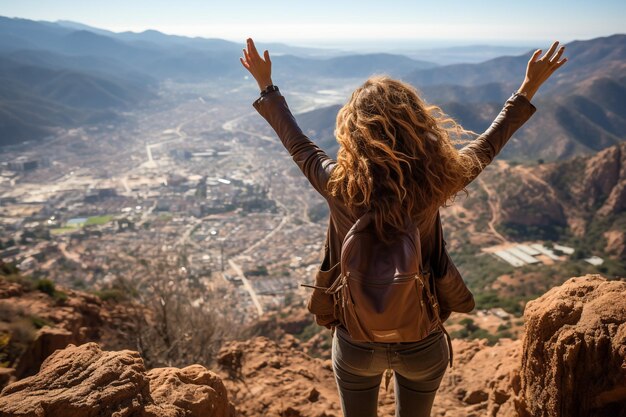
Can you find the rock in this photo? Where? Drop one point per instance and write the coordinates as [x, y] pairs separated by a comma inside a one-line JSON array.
[[603, 172], [481, 379], [194, 389], [570, 363], [80, 318], [306, 385], [314, 395], [277, 380], [475, 397], [6, 375], [85, 381], [574, 351], [10, 289], [616, 242], [48, 340], [231, 361], [80, 381]]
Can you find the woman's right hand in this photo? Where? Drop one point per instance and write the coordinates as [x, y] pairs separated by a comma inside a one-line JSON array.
[[539, 70], [261, 69]]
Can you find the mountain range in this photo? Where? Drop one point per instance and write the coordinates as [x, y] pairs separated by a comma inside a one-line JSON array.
[[580, 110], [67, 74]]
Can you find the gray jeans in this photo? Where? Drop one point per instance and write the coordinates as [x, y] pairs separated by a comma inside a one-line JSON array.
[[359, 366]]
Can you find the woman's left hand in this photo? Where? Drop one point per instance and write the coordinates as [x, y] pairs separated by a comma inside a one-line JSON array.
[[260, 69]]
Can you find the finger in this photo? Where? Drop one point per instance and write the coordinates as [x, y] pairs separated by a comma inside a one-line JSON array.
[[266, 54], [550, 51], [558, 55], [244, 63], [535, 55], [561, 62], [245, 54], [252, 49]]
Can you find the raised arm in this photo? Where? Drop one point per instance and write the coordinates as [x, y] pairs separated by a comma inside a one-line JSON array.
[[309, 157], [482, 150], [516, 111]]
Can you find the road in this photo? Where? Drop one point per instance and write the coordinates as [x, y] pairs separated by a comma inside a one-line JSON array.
[[231, 126], [492, 198], [247, 286], [178, 131]]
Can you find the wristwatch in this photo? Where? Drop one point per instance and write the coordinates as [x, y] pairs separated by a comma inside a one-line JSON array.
[[521, 93], [268, 90]]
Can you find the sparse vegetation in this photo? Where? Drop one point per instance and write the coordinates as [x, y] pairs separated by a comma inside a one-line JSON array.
[[261, 270], [529, 232], [98, 220], [172, 330], [48, 287], [112, 294], [308, 332], [471, 330], [39, 322], [18, 330], [45, 286]]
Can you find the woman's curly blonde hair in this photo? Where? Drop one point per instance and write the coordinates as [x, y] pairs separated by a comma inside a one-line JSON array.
[[397, 155]]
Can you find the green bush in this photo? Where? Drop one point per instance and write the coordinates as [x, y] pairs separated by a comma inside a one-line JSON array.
[[261, 270], [469, 324], [503, 327], [46, 286], [506, 334], [60, 297], [39, 322], [111, 294], [308, 332]]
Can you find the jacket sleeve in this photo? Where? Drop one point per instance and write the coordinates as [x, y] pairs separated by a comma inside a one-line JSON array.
[[452, 293], [311, 159], [516, 111]]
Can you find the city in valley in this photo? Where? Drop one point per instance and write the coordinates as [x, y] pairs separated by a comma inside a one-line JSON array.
[[142, 171], [196, 190]]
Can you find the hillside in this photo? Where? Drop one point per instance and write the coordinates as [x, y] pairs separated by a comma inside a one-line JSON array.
[[66, 75], [578, 203], [603, 56], [91, 75], [588, 118], [582, 200], [581, 110], [258, 376]]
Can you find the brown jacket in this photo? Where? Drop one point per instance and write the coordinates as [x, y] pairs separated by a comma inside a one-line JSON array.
[[317, 166]]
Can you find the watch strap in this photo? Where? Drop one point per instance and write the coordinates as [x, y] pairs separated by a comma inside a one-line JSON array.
[[269, 89]]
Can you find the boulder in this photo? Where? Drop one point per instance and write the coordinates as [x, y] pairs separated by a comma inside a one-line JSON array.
[[574, 351], [85, 381], [48, 340], [190, 391], [80, 381], [6, 376]]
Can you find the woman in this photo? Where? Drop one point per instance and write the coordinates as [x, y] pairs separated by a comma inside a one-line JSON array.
[[396, 154]]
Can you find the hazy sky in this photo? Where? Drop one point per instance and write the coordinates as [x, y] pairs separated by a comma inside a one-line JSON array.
[[324, 21]]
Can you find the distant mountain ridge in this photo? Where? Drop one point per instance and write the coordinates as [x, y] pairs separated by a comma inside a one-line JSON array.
[[581, 111], [598, 56], [66, 74], [92, 74]]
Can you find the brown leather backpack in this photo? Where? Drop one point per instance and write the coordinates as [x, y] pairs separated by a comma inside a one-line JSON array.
[[383, 294]]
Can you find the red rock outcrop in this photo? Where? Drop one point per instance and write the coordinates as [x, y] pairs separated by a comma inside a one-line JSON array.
[[574, 351], [268, 378], [265, 377], [77, 318], [571, 362], [85, 381]]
